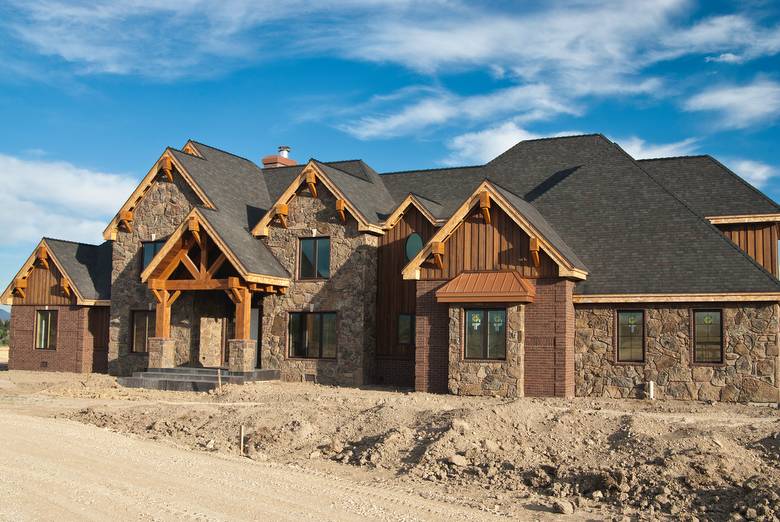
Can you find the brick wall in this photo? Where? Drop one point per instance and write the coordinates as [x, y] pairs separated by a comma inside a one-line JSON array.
[[73, 353], [549, 343], [432, 340]]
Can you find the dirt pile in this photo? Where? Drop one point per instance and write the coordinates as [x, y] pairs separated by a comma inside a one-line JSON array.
[[668, 459]]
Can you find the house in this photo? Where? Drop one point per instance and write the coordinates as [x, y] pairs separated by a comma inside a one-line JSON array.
[[562, 267]]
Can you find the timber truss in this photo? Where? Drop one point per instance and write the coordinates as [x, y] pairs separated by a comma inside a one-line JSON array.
[[196, 262]]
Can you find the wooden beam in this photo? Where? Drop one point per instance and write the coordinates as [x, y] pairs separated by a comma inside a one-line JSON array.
[[484, 205], [43, 257], [534, 249], [65, 287], [174, 264], [216, 266], [243, 313], [189, 284], [190, 266], [166, 167], [204, 257], [281, 212], [126, 220], [437, 249], [341, 206], [163, 314], [311, 182], [194, 227], [174, 296]]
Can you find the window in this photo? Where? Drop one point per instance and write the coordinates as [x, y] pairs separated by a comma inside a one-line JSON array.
[[485, 334], [312, 335], [707, 336], [414, 244], [315, 258], [143, 329], [406, 330], [150, 249], [631, 336], [46, 330]]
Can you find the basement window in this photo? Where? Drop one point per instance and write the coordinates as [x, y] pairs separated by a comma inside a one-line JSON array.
[[143, 328], [312, 335], [314, 258], [707, 336], [485, 334], [46, 330], [150, 249], [631, 336]]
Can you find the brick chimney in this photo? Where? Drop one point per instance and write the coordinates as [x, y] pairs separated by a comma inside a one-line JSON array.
[[279, 160]]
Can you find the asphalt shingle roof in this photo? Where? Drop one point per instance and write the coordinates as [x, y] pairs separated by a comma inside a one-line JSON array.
[[709, 187], [88, 266]]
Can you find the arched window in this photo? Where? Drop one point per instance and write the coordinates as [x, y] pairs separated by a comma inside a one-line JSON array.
[[414, 244]]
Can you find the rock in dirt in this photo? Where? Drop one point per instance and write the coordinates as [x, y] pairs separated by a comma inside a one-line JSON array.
[[458, 460], [563, 507]]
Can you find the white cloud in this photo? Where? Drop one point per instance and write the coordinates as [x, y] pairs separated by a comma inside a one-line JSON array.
[[57, 199], [528, 102], [482, 146], [755, 172], [740, 106], [640, 149]]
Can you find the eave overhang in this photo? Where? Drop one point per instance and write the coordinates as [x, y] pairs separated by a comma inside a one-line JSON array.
[[744, 218], [410, 201]]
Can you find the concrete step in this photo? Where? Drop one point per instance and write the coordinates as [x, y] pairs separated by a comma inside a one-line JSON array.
[[185, 377], [166, 384], [192, 379]]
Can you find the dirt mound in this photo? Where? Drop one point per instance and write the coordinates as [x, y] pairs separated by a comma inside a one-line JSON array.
[[667, 459]]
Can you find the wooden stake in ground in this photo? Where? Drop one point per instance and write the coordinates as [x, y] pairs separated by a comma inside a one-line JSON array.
[[241, 447], [219, 379]]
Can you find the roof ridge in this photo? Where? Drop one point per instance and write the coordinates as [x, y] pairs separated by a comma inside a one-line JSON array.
[[391, 173], [701, 219], [682, 156], [47, 238], [223, 151], [549, 138]]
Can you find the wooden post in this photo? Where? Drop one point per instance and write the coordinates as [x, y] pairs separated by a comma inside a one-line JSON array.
[[165, 300]]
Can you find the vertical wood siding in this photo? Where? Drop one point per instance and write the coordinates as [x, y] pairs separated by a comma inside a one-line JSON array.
[[395, 295], [44, 288], [758, 240], [475, 245]]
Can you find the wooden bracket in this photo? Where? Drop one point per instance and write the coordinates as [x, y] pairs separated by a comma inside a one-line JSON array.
[[126, 220], [194, 227], [189, 149], [65, 287], [341, 206], [437, 249], [281, 211], [534, 248], [484, 205], [20, 287], [311, 182], [166, 167], [42, 257]]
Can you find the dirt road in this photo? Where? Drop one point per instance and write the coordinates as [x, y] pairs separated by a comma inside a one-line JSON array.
[[53, 469]]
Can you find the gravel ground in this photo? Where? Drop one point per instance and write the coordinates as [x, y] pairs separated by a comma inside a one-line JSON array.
[[524, 458]]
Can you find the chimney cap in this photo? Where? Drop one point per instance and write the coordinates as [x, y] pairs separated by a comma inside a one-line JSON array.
[[284, 151]]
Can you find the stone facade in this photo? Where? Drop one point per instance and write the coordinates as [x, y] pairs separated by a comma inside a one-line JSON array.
[[243, 355], [749, 371], [162, 352], [482, 377], [350, 292]]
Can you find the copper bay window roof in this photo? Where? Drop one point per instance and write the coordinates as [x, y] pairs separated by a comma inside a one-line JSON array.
[[487, 287]]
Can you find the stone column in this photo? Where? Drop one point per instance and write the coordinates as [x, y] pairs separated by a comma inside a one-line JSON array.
[[162, 352], [242, 355]]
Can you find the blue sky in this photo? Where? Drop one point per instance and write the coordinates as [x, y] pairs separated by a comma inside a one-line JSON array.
[[91, 93]]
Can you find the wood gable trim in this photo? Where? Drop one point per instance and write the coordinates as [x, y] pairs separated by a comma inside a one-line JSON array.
[[195, 218], [677, 298], [311, 173], [167, 158], [745, 218], [410, 200], [565, 269], [8, 294]]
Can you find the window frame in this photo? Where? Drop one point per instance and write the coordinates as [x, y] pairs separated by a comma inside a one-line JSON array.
[[56, 330], [412, 330], [316, 240], [289, 353], [721, 361], [618, 360], [160, 242], [132, 330], [464, 330]]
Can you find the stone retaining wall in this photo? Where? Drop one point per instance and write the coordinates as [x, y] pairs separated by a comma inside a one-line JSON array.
[[748, 373], [487, 377]]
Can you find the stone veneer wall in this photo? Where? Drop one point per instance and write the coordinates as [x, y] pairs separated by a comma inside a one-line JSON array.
[[162, 209], [749, 371], [350, 292], [487, 377]]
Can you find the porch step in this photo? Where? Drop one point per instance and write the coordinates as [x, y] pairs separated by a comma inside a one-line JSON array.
[[192, 379]]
